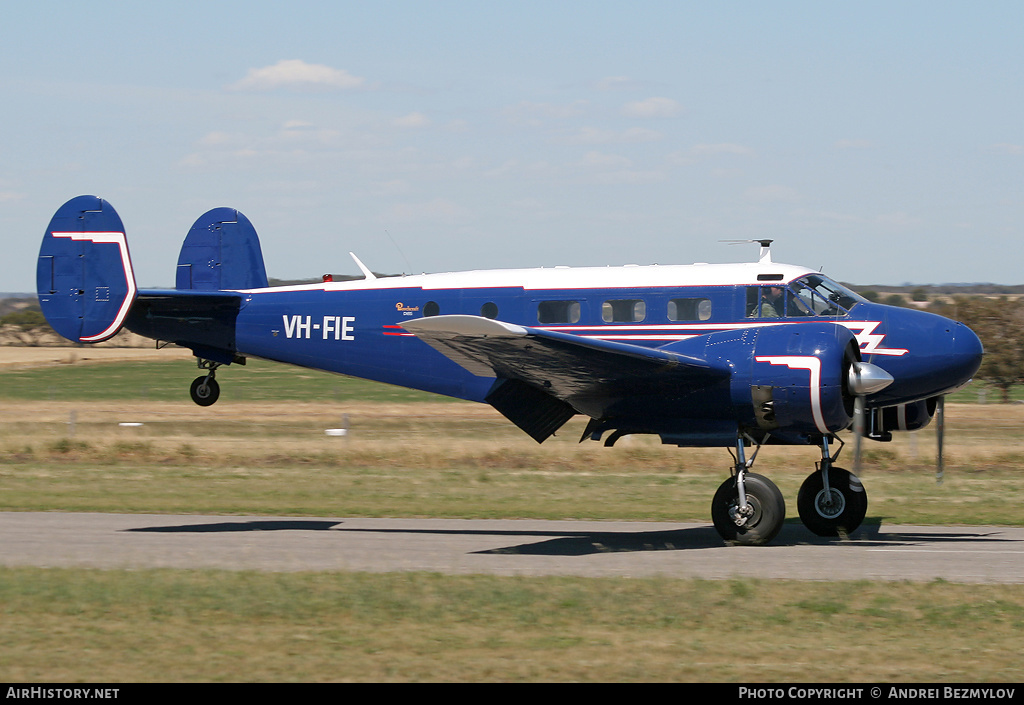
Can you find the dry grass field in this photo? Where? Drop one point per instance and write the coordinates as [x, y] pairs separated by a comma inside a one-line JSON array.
[[18, 356]]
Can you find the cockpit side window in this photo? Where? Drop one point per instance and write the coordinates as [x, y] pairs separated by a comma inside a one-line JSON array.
[[797, 305], [810, 295], [823, 297]]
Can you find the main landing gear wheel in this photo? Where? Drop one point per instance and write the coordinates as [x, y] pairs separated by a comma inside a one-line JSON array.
[[757, 523], [837, 512], [204, 390]]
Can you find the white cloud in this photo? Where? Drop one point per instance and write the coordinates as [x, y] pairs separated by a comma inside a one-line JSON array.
[[640, 134], [772, 194], [629, 176], [214, 139], [411, 120], [601, 159], [854, 144], [899, 220], [295, 73], [1007, 148], [653, 108], [614, 83], [532, 114], [721, 148], [300, 131], [193, 160], [594, 135]]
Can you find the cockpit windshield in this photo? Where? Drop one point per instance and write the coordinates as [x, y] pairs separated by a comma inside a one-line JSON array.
[[817, 295]]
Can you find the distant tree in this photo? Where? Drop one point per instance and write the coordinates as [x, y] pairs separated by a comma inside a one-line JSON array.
[[919, 294], [25, 319], [1000, 325], [27, 326], [895, 300], [870, 295]]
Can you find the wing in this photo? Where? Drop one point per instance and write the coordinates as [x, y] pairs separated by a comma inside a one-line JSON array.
[[546, 377]]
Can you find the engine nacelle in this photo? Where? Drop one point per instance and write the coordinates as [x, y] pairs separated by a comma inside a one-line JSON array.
[[791, 382], [902, 417], [799, 378], [909, 417]]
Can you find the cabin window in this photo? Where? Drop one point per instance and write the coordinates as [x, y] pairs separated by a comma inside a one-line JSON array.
[[558, 312], [623, 311], [431, 308], [689, 309], [489, 310]]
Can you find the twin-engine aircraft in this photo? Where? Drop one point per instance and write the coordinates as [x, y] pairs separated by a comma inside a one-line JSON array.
[[733, 355]]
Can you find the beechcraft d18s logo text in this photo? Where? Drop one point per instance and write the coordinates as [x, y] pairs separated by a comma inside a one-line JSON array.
[[330, 328]]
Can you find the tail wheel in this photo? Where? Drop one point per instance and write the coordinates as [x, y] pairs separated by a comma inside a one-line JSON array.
[[763, 516], [205, 390], [836, 512]]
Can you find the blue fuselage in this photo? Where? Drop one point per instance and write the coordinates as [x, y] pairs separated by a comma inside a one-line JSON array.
[[357, 332]]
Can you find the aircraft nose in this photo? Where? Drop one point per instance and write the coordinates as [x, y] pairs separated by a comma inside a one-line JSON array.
[[965, 352], [944, 355]]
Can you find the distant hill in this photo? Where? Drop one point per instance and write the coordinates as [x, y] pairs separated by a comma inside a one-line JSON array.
[[12, 303], [944, 289]]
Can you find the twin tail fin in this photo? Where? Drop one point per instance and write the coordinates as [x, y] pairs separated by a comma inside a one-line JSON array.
[[84, 275]]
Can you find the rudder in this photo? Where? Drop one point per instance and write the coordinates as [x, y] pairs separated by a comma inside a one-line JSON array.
[[84, 275], [221, 252]]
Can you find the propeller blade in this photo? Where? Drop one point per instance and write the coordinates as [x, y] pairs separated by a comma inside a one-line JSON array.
[[858, 431], [940, 431], [863, 378]]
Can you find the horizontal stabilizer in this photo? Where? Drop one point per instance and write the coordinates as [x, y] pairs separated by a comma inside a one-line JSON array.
[[203, 321], [84, 273]]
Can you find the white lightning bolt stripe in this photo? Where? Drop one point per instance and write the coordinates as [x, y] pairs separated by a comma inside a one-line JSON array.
[[869, 341], [121, 241]]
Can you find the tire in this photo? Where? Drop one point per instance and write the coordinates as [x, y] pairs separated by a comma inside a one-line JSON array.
[[845, 513], [767, 502], [204, 391]]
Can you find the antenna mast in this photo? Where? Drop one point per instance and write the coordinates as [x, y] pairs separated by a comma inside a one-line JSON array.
[[764, 256]]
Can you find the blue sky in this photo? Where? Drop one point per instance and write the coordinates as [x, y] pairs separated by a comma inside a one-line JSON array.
[[880, 141]]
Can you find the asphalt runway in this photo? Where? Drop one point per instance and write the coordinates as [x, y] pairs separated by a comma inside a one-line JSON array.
[[963, 554]]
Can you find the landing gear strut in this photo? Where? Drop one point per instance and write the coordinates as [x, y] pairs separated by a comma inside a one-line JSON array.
[[831, 501], [748, 508], [205, 390]]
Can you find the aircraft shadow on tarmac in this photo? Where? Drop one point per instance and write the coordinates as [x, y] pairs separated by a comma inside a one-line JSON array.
[[586, 543], [259, 525], [581, 543]]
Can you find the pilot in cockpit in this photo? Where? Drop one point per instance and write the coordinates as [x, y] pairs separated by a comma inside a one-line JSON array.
[[771, 302]]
